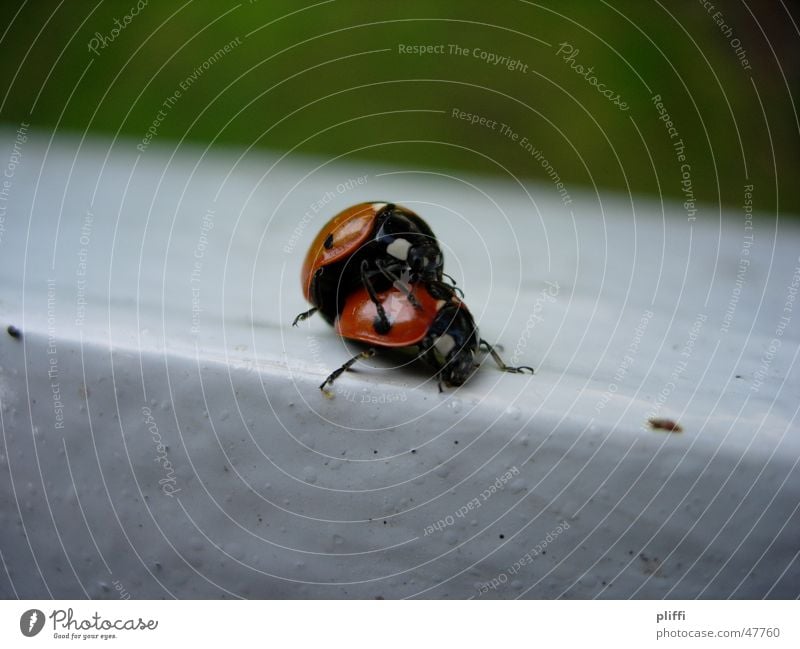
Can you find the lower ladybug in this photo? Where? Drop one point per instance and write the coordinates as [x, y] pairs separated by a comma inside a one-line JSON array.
[[439, 325], [369, 246]]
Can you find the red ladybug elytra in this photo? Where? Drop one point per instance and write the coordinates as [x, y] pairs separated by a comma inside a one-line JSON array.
[[370, 246], [438, 324]]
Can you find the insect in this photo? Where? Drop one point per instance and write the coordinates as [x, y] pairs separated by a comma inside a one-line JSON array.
[[372, 247], [439, 325]]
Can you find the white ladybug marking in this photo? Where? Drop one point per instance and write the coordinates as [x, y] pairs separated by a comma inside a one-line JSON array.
[[444, 344], [399, 249]]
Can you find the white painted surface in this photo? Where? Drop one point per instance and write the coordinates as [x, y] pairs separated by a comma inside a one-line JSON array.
[[280, 492]]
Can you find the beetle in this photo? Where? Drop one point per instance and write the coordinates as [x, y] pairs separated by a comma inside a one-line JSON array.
[[371, 247], [439, 325]]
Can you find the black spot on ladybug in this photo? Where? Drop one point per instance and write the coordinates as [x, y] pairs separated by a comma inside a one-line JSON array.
[[381, 326], [14, 332], [328, 243]]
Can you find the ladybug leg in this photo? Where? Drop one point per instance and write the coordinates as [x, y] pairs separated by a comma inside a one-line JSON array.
[[399, 283], [367, 353], [506, 368], [303, 316], [381, 324]]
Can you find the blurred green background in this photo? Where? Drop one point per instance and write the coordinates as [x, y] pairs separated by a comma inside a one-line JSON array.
[[328, 78]]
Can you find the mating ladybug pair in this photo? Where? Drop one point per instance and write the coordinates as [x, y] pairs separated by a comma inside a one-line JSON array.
[[375, 272]]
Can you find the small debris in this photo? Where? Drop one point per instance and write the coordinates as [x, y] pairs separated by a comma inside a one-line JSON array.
[[14, 332], [665, 424]]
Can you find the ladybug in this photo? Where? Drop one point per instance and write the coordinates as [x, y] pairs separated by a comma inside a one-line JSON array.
[[371, 247], [439, 325]]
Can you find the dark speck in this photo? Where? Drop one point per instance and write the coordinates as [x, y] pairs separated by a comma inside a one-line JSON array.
[[14, 332], [375, 452], [665, 424], [384, 522], [413, 450], [738, 376], [455, 442], [502, 536], [328, 242]]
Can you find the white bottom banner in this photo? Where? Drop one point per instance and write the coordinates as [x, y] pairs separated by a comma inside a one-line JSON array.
[[399, 623]]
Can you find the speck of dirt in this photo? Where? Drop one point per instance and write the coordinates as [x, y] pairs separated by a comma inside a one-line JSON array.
[[374, 452], [14, 332], [455, 441], [413, 451], [502, 536], [384, 522], [665, 424]]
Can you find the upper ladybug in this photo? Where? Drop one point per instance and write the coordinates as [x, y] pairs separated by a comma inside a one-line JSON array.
[[372, 246]]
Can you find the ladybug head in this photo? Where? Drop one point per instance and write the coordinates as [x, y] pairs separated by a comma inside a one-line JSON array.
[[453, 341], [425, 259]]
